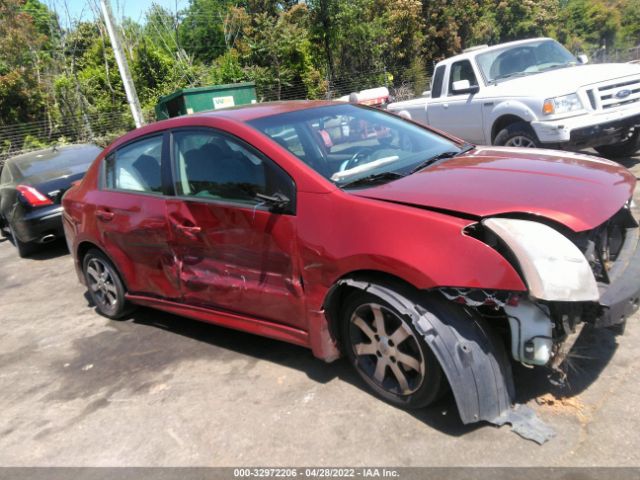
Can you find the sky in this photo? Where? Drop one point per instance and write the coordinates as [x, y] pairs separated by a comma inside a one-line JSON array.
[[135, 9]]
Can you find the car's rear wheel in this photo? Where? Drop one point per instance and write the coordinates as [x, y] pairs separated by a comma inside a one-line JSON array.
[[519, 134], [388, 353], [623, 149], [105, 286], [25, 249]]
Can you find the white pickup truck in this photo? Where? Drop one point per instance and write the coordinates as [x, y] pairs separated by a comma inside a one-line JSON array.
[[532, 93]]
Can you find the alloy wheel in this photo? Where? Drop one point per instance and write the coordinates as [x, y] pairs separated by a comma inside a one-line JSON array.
[[102, 284], [386, 349], [520, 141]]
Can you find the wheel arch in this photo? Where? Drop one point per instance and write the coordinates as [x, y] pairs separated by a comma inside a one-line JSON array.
[[83, 248], [347, 284], [503, 122]]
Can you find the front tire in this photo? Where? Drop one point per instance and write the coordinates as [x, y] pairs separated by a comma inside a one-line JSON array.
[[623, 149], [388, 353], [519, 134], [105, 287]]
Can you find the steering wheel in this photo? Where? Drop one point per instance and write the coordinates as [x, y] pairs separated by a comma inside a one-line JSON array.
[[357, 158]]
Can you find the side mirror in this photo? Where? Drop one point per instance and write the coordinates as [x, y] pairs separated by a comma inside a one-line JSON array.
[[464, 86], [583, 59], [278, 202]]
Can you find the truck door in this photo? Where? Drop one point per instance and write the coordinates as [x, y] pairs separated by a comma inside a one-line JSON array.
[[457, 112]]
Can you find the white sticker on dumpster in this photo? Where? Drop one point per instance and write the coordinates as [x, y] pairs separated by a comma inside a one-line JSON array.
[[223, 102]]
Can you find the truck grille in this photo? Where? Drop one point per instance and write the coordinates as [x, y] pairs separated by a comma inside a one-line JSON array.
[[615, 94]]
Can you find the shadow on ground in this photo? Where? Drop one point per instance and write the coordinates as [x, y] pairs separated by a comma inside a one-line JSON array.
[[130, 354]]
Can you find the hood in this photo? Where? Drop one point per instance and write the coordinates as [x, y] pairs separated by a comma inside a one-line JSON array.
[[564, 80], [578, 191]]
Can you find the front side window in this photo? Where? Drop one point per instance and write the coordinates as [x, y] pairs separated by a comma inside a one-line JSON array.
[[345, 143], [211, 165], [524, 59], [136, 167]]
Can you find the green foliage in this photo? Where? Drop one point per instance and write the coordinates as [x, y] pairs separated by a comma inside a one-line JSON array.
[[67, 81]]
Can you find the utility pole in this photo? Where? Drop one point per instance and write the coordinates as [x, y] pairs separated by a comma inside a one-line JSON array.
[[123, 66]]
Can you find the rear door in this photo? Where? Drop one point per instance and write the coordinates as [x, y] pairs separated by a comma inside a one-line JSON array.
[[234, 253], [130, 211], [459, 113]]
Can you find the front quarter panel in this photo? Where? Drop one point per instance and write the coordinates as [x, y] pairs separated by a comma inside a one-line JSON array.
[[341, 234]]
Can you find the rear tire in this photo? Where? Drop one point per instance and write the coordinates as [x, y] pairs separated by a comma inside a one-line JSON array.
[[388, 353], [519, 134], [105, 286], [25, 249], [622, 149]]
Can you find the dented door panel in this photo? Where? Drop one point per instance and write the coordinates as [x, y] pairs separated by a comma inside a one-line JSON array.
[[238, 259]]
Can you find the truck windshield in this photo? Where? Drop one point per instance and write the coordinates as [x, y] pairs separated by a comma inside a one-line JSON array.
[[346, 143], [524, 59]]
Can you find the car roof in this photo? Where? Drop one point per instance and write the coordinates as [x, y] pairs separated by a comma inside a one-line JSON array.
[[242, 114], [46, 154], [245, 113]]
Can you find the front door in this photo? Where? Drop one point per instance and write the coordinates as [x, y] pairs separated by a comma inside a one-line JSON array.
[[459, 113], [234, 252]]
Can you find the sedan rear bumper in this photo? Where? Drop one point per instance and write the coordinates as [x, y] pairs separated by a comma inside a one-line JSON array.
[[621, 297], [40, 225]]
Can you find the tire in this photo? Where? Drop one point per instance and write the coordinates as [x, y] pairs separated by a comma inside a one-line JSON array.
[[383, 360], [25, 249], [104, 285], [622, 149], [519, 134]]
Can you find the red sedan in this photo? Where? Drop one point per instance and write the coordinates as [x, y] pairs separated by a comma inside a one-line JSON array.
[[426, 261]]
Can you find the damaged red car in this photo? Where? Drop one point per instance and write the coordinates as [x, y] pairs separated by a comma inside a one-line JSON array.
[[428, 262]]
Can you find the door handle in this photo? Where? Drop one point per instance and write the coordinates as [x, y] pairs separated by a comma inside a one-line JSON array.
[[445, 105], [104, 215], [189, 231]]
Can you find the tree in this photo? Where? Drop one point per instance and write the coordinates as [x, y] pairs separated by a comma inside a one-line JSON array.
[[20, 96]]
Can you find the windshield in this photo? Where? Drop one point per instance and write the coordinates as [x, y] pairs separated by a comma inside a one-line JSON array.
[[524, 59], [345, 143]]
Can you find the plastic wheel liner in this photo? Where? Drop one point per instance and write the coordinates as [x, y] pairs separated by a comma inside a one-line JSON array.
[[477, 368]]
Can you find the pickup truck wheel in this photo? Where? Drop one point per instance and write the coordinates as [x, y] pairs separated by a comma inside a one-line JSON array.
[[519, 134], [624, 149], [388, 353]]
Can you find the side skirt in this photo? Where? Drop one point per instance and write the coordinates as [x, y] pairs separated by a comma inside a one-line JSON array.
[[227, 319]]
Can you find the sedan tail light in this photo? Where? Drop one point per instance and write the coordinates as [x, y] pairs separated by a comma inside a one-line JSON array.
[[33, 196]]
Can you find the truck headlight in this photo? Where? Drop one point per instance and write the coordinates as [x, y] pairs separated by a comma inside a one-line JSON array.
[[560, 105], [554, 269]]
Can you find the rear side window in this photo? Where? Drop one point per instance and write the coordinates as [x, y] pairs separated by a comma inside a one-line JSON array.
[[436, 86], [136, 167], [210, 165]]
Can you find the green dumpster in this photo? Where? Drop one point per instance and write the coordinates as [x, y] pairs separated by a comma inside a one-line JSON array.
[[200, 99]]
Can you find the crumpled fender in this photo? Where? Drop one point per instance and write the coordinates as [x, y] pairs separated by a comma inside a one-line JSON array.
[[472, 358]]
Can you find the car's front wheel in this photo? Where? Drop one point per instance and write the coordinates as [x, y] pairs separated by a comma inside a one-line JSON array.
[[388, 353], [105, 286]]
